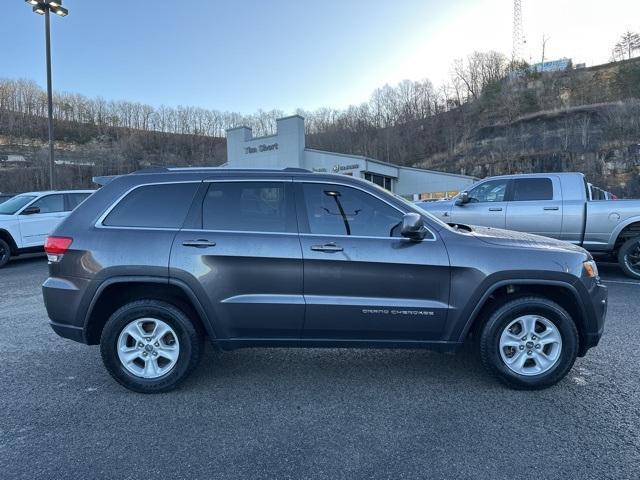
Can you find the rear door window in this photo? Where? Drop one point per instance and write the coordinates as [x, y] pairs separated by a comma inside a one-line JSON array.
[[153, 206], [249, 206], [527, 189]]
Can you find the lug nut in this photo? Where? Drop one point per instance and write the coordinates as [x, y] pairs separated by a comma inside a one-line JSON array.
[[533, 337], [155, 354], [538, 345], [144, 354], [528, 352], [157, 344], [140, 345], [521, 347], [524, 338]]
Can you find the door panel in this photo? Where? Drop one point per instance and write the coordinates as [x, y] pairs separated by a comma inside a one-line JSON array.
[[536, 206], [490, 214], [487, 205], [35, 228], [375, 288], [250, 280], [361, 279]]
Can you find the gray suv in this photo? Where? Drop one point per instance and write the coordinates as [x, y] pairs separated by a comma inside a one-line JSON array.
[[157, 261]]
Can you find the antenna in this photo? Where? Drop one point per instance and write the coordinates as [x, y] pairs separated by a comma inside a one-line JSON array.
[[518, 36]]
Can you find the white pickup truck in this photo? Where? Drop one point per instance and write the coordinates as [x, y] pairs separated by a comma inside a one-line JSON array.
[[27, 219], [558, 205]]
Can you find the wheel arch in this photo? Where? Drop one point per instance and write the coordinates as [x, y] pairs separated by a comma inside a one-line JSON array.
[[116, 292], [623, 232], [562, 293], [7, 237]]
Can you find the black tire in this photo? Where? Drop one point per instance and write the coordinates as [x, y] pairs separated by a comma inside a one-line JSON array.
[[5, 253], [188, 335], [503, 316], [626, 254]]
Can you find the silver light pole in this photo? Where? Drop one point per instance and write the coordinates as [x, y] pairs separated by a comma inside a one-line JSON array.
[[45, 7]]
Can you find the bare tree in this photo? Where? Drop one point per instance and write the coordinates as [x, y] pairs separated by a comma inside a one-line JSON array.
[[627, 47]]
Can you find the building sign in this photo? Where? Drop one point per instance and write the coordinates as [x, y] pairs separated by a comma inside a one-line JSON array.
[[261, 148], [342, 168]]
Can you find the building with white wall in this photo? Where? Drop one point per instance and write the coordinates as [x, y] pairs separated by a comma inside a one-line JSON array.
[[287, 149]]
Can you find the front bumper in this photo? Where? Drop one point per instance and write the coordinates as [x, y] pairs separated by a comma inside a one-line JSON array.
[[596, 305]]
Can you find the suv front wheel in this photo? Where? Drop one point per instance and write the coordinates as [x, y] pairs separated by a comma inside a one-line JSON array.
[[529, 343], [150, 346]]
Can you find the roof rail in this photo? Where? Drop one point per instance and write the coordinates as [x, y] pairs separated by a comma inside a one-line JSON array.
[[187, 169]]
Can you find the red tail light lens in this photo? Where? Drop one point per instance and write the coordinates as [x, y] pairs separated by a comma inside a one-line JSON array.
[[57, 245]]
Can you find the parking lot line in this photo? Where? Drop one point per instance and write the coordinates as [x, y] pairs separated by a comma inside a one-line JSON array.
[[621, 281]]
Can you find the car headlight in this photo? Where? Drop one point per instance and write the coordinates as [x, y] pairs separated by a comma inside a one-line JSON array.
[[591, 268]]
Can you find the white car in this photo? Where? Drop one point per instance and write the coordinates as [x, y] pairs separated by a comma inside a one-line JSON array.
[[27, 219]]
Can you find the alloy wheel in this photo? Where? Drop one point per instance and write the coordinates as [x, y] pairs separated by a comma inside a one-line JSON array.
[[530, 345], [632, 258], [148, 348]]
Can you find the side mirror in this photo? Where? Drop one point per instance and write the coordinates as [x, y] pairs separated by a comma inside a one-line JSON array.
[[462, 199], [413, 226], [31, 210]]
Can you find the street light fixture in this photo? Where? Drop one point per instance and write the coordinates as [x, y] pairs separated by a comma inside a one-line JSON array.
[[44, 7]]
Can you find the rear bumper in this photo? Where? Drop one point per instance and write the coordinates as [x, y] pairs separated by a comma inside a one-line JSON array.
[[62, 298]]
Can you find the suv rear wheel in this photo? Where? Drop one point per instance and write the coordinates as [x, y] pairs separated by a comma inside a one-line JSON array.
[[529, 343], [150, 346]]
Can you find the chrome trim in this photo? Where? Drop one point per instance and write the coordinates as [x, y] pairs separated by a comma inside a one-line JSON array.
[[253, 232], [367, 236]]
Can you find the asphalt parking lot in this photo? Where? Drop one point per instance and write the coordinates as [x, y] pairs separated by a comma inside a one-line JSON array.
[[276, 413]]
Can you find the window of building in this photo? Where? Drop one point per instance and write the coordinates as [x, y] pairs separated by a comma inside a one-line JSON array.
[[380, 180], [50, 204], [153, 206], [249, 206], [338, 210], [526, 189], [490, 191]]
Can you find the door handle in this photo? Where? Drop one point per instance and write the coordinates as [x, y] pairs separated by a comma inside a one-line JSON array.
[[200, 243], [445, 214], [495, 209], [327, 247], [552, 208]]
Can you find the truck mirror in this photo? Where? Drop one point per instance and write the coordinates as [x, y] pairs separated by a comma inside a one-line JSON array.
[[462, 198]]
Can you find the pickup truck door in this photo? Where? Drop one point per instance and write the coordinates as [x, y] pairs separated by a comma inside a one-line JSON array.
[[487, 205], [535, 206], [362, 280], [35, 227]]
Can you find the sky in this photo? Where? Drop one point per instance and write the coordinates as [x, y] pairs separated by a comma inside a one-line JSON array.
[[283, 54]]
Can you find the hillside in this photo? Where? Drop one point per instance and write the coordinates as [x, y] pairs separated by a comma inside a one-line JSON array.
[[585, 120]]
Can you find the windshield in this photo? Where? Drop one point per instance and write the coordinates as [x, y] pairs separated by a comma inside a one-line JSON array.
[[14, 204]]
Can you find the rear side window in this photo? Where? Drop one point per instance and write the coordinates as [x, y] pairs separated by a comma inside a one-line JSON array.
[[526, 189], [153, 206], [249, 206], [75, 199]]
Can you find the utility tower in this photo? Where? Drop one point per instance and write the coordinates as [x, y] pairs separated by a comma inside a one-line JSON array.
[[518, 36]]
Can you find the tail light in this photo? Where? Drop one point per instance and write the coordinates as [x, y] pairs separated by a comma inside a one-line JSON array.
[[56, 247]]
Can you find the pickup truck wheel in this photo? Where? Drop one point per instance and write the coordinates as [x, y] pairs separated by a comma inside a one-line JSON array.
[[529, 343], [5, 253], [629, 257], [150, 346]]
